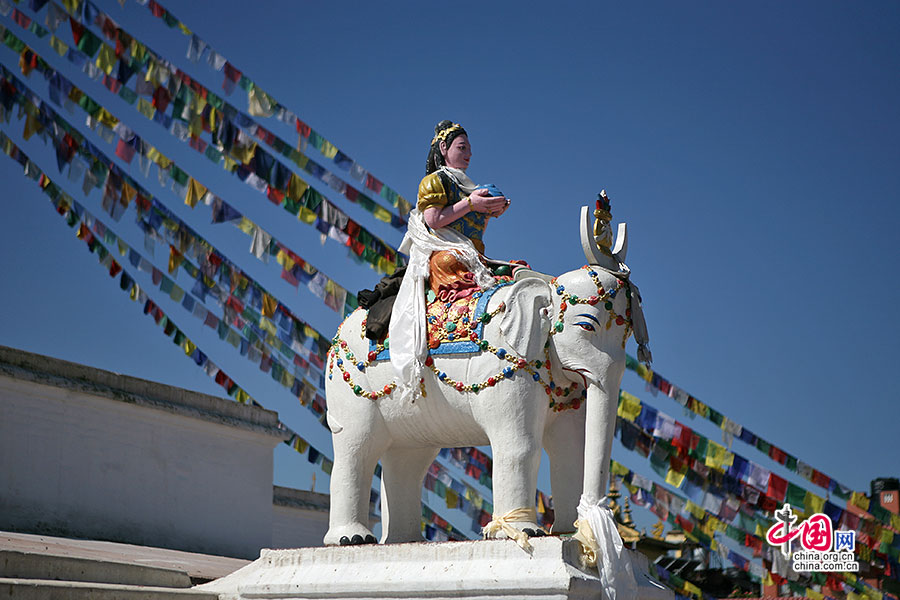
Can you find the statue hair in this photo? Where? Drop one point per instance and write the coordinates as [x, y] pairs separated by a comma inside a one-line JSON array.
[[435, 159]]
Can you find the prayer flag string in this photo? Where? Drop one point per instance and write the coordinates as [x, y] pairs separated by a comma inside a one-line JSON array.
[[257, 170], [133, 55], [732, 430], [262, 104]]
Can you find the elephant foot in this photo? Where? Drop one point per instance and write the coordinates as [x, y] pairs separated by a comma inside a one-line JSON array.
[[534, 532], [349, 535], [529, 529], [357, 540]]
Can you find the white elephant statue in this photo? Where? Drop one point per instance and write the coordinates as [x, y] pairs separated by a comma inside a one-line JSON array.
[[544, 349]]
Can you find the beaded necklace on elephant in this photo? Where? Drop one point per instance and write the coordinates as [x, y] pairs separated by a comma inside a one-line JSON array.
[[558, 403], [605, 296]]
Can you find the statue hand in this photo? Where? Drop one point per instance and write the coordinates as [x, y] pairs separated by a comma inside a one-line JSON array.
[[481, 201]]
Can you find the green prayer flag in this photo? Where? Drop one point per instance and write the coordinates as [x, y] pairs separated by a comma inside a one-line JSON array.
[[796, 495], [37, 30], [14, 43], [715, 416], [88, 104], [127, 94], [245, 83], [762, 445], [170, 19], [292, 206], [177, 175], [213, 154], [791, 463], [89, 43]]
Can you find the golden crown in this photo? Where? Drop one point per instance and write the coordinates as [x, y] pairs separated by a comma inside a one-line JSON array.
[[443, 133]]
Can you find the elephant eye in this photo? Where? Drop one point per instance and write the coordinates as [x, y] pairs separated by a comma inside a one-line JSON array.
[[585, 325]]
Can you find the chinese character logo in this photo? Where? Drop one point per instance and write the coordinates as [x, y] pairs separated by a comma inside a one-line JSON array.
[[844, 540], [815, 533]]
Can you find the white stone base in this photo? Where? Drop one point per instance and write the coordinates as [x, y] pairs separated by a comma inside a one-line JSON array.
[[487, 569]]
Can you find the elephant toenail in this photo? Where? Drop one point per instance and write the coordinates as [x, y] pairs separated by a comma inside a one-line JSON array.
[[529, 531], [344, 541], [356, 540], [370, 539], [540, 533]]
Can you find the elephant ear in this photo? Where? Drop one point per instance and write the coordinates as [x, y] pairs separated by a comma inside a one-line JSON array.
[[525, 323]]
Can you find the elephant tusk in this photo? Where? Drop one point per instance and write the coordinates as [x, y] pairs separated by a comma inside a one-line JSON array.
[[589, 246]]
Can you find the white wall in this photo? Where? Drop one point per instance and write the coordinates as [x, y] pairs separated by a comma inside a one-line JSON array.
[[87, 453]]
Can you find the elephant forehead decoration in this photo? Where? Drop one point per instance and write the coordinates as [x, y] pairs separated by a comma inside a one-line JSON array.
[[602, 296]]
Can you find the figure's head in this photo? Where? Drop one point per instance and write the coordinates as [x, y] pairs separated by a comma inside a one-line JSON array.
[[449, 147]]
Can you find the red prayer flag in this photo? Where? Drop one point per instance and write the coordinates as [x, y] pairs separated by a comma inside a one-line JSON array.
[[777, 487], [156, 9], [77, 30], [777, 454], [303, 129], [124, 151]]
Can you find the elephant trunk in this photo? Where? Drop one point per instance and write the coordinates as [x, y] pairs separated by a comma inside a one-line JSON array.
[[600, 428]]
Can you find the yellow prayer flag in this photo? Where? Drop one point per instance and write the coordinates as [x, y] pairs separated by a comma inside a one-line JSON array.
[[813, 503], [692, 589], [296, 187], [718, 457], [105, 117], [135, 292], [269, 305], [128, 194], [244, 154], [184, 28], [811, 593], [895, 522], [189, 347], [675, 478], [381, 214], [860, 500], [887, 536], [619, 469], [106, 59], [270, 329], [195, 192], [629, 406], [299, 159], [328, 149], [230, 164], [32, 126], [175, 259], [58, 45], [123, 247], [695, 510], [73, 7], [299, 444], [306, 215], [241, 396], [246, 225], [452, 498], [196, 125], [177, 294], [146, 108]]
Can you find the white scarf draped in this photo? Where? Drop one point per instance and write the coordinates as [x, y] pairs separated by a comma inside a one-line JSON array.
[[408, 337]]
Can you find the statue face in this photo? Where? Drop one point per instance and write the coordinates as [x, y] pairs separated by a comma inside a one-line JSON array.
[[458, 154]]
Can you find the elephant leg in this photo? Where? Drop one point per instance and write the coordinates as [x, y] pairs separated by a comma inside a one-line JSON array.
[[402, 473], [357, 448], [516, 456], [564, 443]]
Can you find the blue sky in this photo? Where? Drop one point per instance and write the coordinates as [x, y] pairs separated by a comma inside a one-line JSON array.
[[752, 149]]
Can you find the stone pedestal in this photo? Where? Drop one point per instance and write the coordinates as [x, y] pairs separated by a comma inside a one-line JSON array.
[[487, 569]]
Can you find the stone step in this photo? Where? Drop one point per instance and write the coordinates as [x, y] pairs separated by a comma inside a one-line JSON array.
[[39, 589], [34, 565]]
